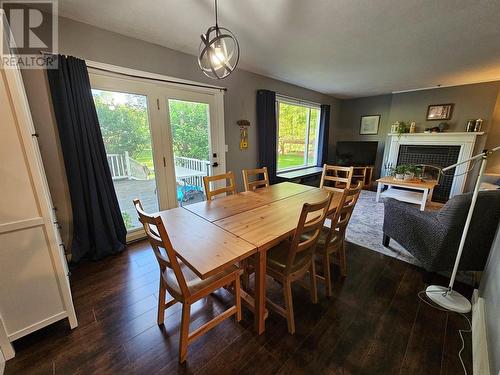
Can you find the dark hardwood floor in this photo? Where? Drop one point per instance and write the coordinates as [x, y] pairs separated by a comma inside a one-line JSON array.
[[374, 324]]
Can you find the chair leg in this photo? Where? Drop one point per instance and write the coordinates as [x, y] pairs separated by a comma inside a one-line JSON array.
[[290, 319], [343, 261], [314, 286], [183, 342], [162, 299], [237, 297], [386, 240], [328, 277]]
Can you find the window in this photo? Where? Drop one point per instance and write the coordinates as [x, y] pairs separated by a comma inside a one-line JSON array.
[[298, 128]]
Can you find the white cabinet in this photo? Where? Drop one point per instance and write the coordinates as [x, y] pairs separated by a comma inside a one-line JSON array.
[[34, 285]]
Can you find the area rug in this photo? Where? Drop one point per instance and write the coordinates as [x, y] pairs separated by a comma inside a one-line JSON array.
[[365, 228]]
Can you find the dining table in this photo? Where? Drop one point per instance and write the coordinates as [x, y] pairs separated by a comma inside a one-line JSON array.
[[211, 235]]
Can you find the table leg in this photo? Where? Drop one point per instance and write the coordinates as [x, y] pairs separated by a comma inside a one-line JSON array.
[[379, 190], [424, 199], [260, 291], [429, 197]]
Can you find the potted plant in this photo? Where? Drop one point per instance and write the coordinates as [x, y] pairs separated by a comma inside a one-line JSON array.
[[403, 128], [399, 172]]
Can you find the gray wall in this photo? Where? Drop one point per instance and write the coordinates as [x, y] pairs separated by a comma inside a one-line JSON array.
[[471, 101], [490, 291], [91, 43]]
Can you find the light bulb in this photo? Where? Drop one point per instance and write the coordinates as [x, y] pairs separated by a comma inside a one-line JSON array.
[[218, 57]]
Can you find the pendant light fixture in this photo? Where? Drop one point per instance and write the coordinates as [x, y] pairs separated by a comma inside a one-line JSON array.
[[219, 51]]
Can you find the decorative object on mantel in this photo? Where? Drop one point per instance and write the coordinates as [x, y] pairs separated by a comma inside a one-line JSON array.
[[474, 125], [442, 126], [243, 124], [219, 51], [400, 127], [439, 112], [434, 129], [413, 127], [369, 124]]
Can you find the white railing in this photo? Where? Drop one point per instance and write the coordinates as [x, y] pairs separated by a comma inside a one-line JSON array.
[[194, 164], [122, 166]]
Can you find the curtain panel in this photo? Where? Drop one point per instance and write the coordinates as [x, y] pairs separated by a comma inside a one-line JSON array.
[[324, 124], [98, 227], [267, 132]]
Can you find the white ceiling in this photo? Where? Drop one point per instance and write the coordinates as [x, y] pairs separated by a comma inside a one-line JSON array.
[[347, 48]]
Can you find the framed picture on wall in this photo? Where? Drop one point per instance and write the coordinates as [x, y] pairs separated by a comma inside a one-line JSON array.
[[369, 124], [439, 111]]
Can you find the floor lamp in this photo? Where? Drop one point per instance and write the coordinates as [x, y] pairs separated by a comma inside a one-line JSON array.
[[446, 297]]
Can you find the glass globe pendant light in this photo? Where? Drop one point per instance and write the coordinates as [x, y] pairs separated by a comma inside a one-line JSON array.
[[219, 51]]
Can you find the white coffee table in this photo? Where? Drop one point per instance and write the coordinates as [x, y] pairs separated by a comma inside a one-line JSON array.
[[417, 192]]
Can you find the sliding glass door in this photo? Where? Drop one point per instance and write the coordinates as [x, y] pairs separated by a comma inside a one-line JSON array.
[[160, 143]]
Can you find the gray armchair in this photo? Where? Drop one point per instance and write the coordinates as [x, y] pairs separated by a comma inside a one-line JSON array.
[[433, 237]]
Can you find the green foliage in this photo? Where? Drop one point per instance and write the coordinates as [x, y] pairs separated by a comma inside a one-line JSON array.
[[407, 168], [127, 219], [124, 123], [189, 122]]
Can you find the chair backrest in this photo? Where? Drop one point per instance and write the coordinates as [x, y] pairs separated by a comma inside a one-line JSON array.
[[343, 213], [336, 178], [159, 240], [308, 229], [229, 189], [251, 185]]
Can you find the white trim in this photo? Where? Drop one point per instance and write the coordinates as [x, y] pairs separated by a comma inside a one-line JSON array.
[[480, 356], [148, 75], [466, 142], [297, 101], [34, 327], [5, 346]]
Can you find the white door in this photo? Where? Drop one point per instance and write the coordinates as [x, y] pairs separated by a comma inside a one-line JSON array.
[[160, 142]]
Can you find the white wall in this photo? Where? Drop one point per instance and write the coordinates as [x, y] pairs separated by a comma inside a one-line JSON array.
[[490, 292]]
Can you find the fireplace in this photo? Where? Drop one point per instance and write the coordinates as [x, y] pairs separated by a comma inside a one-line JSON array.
[[439, 149], [436, 156]]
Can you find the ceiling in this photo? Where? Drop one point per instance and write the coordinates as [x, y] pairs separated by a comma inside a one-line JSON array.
[[343, 48]]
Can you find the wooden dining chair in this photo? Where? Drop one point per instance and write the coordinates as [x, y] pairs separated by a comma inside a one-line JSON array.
[[251, 178], [292, 259], [332, 238], [229, 189], [336, 178], [182, 284]]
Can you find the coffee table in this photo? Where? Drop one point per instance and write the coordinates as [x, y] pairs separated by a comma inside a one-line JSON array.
[[415, 191]]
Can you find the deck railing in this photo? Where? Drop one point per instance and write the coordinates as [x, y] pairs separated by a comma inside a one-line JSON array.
[[122, 166], [195, 164]]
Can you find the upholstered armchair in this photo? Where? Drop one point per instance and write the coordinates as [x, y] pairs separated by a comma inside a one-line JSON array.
[[433, 237]]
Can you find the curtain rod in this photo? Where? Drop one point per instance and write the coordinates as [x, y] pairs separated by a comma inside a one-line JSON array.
[[149, 78]]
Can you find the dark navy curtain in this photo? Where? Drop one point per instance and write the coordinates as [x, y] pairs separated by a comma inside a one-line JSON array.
[[324, 124], [98, 228], [266, 130]]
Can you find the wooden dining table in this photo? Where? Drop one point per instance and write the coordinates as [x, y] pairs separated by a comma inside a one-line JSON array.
[[211, 235]]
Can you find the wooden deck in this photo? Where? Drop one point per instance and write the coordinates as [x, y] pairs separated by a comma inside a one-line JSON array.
[[373, 324]]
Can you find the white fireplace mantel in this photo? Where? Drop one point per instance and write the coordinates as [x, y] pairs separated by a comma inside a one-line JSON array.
[[466, 142]]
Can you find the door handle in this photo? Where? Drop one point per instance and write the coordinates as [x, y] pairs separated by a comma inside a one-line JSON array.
[[215, 164]]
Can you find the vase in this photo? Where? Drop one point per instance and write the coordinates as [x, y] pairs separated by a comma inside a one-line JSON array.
[[399, 176], [409, 176]]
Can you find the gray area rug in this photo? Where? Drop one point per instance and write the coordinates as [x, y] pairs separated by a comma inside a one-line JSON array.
[[365, 228]]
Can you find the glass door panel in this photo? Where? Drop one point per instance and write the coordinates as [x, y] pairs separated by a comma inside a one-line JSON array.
[[190, 126], [125, 128]]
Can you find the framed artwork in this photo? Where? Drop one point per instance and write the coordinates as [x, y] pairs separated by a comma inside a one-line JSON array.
[[369, 124], [439, 112]]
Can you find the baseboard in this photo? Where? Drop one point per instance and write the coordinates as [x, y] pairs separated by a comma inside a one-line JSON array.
[[480, 360]]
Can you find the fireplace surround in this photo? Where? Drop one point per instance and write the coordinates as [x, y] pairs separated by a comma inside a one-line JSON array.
[[439, 149]]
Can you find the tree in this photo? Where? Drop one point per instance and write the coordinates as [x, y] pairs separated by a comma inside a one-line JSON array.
[[124, 123], [189, 122]]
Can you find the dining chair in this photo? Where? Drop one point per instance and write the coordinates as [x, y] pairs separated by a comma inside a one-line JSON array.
[[332, 237], [229, 189], [256, 182], [182, 284], [336, 178], [293, 258]]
